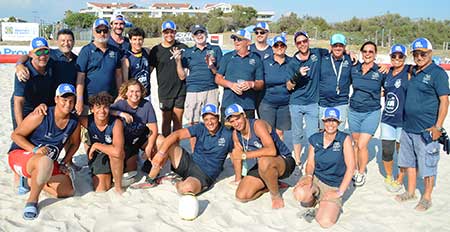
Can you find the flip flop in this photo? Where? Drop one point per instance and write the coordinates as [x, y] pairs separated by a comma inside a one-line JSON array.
[[406, 196], [423, 205], [30, 212]]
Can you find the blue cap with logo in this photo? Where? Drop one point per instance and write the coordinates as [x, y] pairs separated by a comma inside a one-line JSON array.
[[210, 109], [338, 39], [299, 33], [168, 25], [398, 48], [65, 89], [421, 44], [262, 25], [331, 113], [242, 34], [117, 17], [38, 42], [279, 39], [100, 22], [233, 109]]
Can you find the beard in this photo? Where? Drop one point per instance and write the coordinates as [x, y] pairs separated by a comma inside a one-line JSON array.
[[101, 40]]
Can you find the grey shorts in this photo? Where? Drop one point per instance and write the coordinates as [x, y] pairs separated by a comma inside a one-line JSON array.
[[195, 102]]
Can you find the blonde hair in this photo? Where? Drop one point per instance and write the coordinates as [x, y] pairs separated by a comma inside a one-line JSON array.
[[124, 88]]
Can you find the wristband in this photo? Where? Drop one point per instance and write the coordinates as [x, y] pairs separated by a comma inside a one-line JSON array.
[[80, 98], [340, 194], [18, 62], [309, 175], [163, 154], [35, 149]]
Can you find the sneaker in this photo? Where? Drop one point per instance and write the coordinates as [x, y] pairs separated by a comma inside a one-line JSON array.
[[355, 175], [388, 180], [148, 183], [394, 186], [360, 179]]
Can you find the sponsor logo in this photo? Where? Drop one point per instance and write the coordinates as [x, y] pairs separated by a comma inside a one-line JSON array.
[[252, 61], [257, 144], [375, 76], [426, 79], [398, 83], [108, 139], [392, 103], [336, 146], [221, 142], [111, 54]]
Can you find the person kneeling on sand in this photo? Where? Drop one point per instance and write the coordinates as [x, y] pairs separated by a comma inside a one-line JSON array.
[[329, 169], [256, 139], [37, 143], [106, 151], [199, 170]]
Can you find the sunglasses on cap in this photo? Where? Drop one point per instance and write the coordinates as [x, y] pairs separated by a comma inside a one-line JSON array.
[[420, 53], [305, 41], [279, 45], [260, 32], [397, 56], [99, 31], [42, 52]]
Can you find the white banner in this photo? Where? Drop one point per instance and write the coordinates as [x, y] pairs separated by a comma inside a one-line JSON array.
[[19, 31]]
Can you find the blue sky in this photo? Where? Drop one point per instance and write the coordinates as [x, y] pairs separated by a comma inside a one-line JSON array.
[[331, 11]]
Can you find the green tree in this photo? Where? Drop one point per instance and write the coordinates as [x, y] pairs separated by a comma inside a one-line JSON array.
[[216, 25], [78, 20], [243, 17]]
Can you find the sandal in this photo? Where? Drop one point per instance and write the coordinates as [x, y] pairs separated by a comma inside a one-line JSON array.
[[423, 205], [406, 196], [30, 212]]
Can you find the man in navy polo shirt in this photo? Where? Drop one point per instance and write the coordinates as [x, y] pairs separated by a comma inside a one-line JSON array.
[[241, 75], [117, 39], [260, 46], [199, 170], [99, 67], [198, 66], [62, 60], [334, 85], [426, 107]]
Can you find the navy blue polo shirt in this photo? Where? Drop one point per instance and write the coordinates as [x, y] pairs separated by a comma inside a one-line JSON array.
[[200, 77], [210, 150], [275, 77], [331, 93], [422, 98], [64, 69], [263, 54], [100, 69], [305, 94], [123, 47], [248, 68], [394, 97], [366, 89], [329, 161], [38, 89]]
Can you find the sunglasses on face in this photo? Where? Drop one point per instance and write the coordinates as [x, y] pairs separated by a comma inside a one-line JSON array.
[[279, 45], [397, 56], [368, 51], [199, 32], [420, 53], [236, 39], [99, 31], [260, 32], [42, 52], [305, 41]]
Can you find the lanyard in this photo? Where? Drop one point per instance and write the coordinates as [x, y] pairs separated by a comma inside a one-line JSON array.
[[338, 74]]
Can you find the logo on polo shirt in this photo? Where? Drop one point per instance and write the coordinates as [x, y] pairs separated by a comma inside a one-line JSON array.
[[314, 58], [49, 135], [375, 76], [266, 56], [111, 54], [108, 139], [345, 64], [252, 61], [392, 103], [398, 83], [221, 142], [336, 146], [257, 144], [426, 79], [95, 137]]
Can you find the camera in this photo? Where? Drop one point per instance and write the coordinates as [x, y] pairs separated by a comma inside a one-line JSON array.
[[445, 141]]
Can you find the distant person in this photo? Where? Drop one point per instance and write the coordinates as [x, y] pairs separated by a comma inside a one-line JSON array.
[[426, 107], [37, 143], [329, 170], [171, 89], [255, 139], [241, 75], [117, 39], [136, 64]]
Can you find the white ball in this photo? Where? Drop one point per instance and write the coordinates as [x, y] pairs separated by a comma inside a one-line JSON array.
[[188, 207]]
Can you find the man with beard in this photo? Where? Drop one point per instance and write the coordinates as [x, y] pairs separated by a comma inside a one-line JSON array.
[[117, 39]]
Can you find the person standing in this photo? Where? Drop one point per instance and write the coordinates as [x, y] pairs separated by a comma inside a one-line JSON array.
[[117, 39], [426, 107], [261, 47]]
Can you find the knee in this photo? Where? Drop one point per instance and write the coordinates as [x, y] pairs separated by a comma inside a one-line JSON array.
[[68, 191], [264, 164], [299, 194], [325, 222], [242, 196]]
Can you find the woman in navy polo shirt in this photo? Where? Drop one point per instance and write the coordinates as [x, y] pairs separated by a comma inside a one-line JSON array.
[[364, 111], [329, 170], [274, 107]]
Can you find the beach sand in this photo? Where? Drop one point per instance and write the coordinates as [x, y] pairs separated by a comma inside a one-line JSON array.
[[369, 208]]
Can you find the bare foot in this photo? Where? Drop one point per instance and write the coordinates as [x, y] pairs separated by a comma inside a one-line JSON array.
[[118, 191], [277, 202]]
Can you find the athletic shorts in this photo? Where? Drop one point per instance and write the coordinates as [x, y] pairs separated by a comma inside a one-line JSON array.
[[18, 160], [289, 162], [169, 104], [195, 102], [188, 168], [100, 164], [324, 188]]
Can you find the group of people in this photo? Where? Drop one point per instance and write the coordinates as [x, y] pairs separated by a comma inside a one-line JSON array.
[[102, 100]]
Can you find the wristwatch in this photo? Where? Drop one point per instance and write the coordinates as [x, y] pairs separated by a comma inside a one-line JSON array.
[[244, 156], [439, 128]]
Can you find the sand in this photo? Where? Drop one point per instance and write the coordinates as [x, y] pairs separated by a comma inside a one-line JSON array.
[[370, 208]]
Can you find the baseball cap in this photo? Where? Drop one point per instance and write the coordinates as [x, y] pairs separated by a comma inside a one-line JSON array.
[[233, 109], [65, 89], [168, 25], [198, 27], [261, 25], [338, 39], [38, 42], [422, 44], [331, 113], [299, 33], [398, 48], [99, 22], [242, 34], [117, 16], [210, 109], [279, 38]]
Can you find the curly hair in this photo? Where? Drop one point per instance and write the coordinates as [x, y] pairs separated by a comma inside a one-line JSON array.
[[124, 88], [102, 98]]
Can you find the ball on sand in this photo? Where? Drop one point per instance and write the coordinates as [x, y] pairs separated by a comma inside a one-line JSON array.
[[188, 207]]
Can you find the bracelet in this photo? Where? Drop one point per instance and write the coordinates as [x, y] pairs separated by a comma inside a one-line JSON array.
[[35, 149], [18, 62], [309, 175], [163, 154], [340, 194]]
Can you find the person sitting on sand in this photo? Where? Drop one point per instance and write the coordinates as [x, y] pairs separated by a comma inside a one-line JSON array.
[[256, 139], [37, 143]]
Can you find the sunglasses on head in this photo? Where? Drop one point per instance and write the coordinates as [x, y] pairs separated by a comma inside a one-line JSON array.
[[99, 31], [260, 32], [368, 51], [305, 41], [42, 52], [279, 45], [397, 56], [420, 53]]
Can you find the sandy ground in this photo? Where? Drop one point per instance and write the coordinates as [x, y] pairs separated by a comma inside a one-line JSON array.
[[370, 208]]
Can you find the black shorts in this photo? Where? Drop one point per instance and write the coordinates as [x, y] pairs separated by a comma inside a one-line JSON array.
[[100, 164], [188, 168], [289, 162], [169, 104]]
